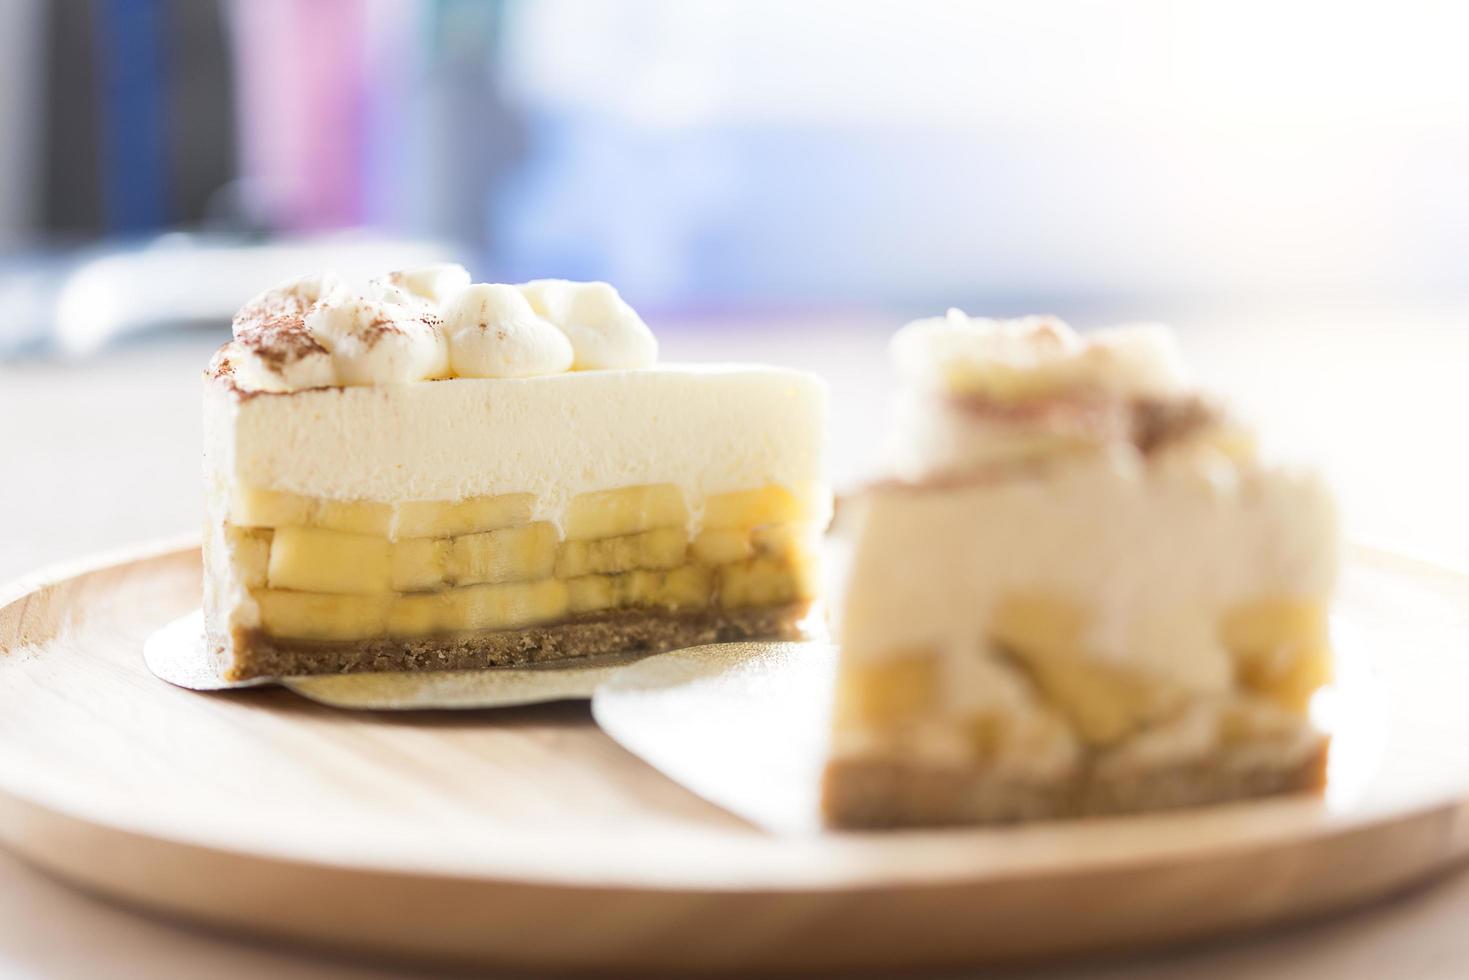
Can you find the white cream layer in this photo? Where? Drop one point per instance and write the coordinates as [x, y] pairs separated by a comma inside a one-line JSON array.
[[1155, 553], [708, 429]]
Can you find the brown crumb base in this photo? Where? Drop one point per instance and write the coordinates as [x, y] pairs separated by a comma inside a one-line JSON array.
[[255, 654], [872, 794]]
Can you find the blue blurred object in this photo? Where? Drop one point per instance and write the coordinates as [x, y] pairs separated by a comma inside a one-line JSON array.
[[131, 45]]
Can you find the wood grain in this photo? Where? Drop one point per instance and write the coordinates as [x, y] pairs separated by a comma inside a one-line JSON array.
[[526, 838]]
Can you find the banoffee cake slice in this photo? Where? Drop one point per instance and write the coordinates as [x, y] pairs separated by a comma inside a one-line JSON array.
[[433, 474], [1081, 591]]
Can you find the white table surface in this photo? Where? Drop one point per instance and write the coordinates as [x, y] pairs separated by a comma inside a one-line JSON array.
[[105, 453]]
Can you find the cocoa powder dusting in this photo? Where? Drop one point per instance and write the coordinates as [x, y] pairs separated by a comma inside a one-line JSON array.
[[1156, 422], [280, 341]]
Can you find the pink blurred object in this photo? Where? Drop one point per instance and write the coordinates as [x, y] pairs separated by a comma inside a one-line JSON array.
[[302, 95]]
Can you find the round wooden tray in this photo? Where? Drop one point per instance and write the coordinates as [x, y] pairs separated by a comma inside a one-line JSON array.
[[526, 838]]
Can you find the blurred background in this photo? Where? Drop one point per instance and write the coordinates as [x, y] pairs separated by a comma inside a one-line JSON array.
[[718, 154], [1286, 182]]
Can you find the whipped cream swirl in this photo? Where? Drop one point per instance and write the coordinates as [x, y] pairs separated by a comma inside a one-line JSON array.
[[428, 323], [494, 333]]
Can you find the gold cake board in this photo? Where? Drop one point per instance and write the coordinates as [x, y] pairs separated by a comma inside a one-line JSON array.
[[526, 838]]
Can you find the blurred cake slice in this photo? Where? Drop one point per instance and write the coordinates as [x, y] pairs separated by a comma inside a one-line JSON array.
[[433, 474], [1080, 592]]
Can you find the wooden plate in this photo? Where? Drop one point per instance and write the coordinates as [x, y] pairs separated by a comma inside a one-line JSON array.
[[526, 838]]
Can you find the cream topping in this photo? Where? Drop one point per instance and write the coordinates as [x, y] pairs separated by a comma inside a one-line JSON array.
[[429, 323], [277, 354], [977, 393], [1035, 357], [603, 330], [430, 285], [494, 333], [373, 342], [294, 297]]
